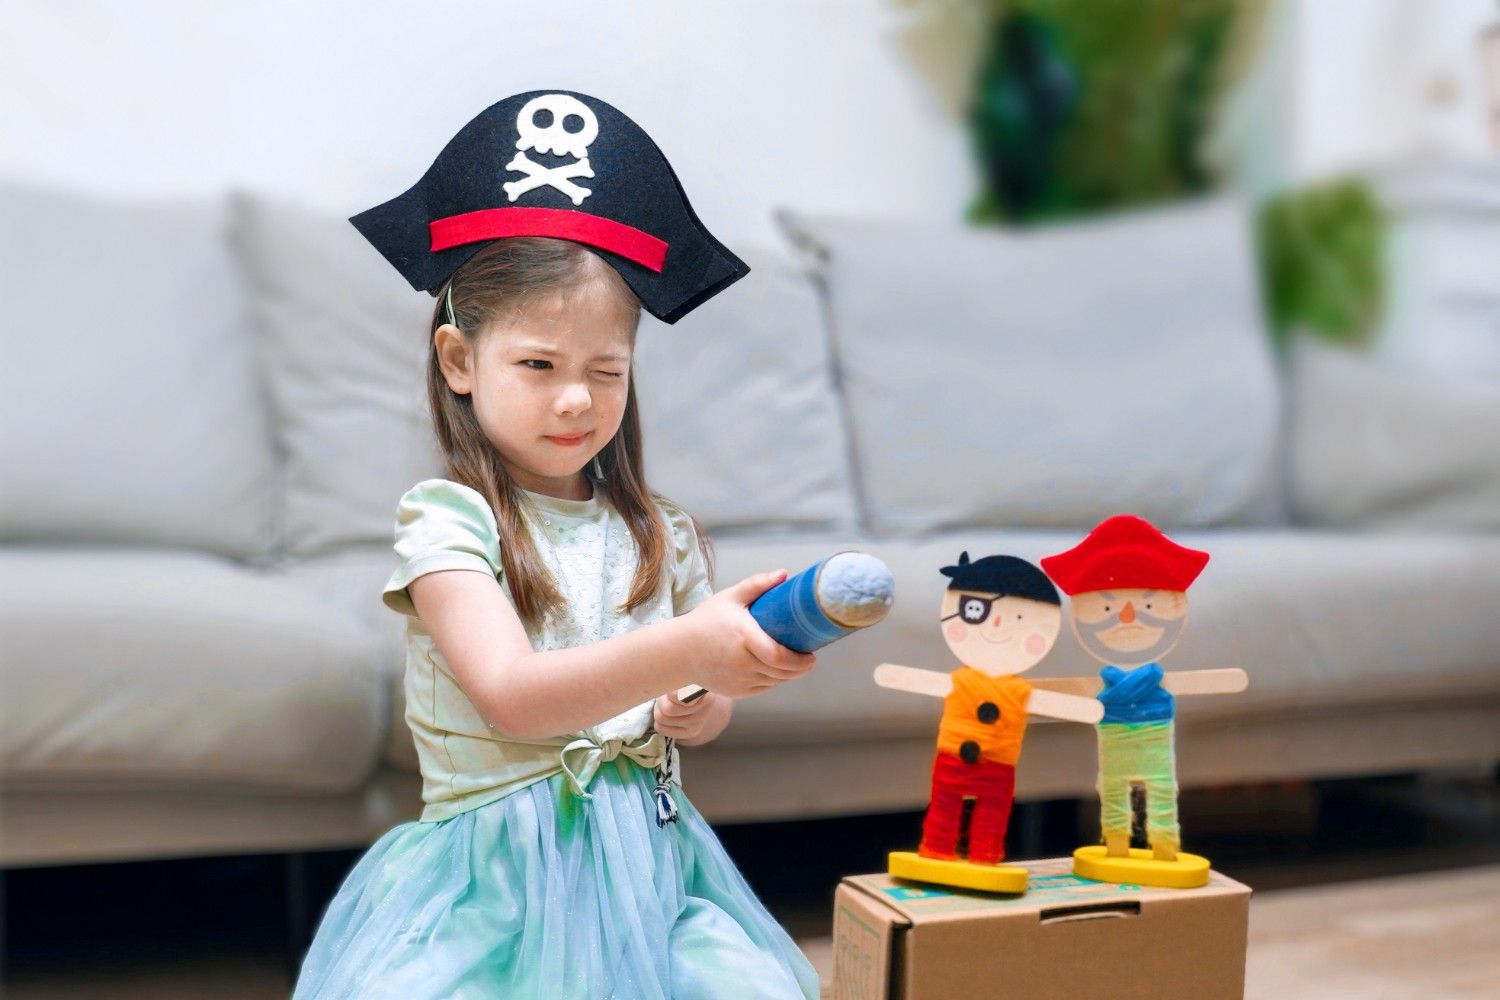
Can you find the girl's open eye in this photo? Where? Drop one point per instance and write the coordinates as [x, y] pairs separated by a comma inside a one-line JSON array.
[[537, 364]]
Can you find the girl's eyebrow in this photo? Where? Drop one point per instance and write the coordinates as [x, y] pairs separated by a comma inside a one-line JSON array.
[[531, 347]]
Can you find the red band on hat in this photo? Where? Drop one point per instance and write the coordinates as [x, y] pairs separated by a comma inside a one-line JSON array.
[[581, 227]]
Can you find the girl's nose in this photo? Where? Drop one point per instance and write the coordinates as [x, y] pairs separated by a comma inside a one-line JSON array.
[[1127, 613], [574, 398]]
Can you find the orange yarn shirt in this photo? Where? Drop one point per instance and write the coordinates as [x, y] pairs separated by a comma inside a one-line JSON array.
[[965, 709]]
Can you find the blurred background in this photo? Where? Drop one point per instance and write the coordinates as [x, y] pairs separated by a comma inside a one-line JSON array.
[[1017, 266]]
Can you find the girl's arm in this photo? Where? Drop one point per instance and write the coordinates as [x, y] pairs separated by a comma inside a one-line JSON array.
[[536, 695]]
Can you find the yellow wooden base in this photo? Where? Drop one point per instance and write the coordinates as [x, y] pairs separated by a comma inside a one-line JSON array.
[[1188, 872], [960, 874]]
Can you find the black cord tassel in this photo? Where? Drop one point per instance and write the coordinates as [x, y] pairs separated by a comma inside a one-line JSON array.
[[666, 805]]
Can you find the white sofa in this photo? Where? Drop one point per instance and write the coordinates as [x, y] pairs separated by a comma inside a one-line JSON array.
[[210, 410]]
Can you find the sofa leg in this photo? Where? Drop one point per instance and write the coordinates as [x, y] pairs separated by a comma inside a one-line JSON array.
[[298, 920]]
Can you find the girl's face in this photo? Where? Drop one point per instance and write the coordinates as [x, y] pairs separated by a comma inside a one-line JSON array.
[[549, 383]]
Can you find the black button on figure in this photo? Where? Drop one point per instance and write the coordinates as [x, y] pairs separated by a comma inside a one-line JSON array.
[[989, 713], [968, 752]]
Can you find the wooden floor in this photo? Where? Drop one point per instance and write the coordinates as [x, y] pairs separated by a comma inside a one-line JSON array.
[[1362, 891]]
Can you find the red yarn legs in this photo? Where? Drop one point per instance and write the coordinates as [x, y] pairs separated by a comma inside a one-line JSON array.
[[992, 787]]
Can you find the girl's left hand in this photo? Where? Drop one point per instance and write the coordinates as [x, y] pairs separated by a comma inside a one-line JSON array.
[[696, 722]]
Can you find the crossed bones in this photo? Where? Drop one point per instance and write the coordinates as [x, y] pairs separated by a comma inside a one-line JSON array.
[[558, 177]]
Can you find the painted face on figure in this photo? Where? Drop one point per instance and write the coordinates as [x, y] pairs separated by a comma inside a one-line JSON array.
[[1128, 627], [549, 383], [999, 635]]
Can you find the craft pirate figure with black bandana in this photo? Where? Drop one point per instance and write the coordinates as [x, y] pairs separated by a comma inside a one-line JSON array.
[[554, 602], [1000, 616]]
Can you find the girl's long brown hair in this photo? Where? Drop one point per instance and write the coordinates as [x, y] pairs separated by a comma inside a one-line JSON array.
[[493, 284]]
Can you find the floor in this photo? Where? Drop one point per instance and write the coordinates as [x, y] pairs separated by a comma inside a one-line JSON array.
[[1369, 889]]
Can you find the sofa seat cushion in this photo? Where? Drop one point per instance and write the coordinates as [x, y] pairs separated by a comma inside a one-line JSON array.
[[125, 666], [1318, 620], [352, 581]]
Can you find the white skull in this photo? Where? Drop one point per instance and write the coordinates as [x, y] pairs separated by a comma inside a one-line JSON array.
[[555, 138]]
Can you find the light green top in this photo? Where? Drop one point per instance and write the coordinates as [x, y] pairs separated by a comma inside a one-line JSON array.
[[588, 547]]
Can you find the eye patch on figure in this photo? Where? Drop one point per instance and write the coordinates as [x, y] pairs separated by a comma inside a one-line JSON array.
[[973, 609]]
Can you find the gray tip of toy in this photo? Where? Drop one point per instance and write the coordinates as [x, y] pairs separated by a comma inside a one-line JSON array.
[[855, 589]]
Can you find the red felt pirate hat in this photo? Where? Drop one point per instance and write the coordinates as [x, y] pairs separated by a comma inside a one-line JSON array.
[[1125, 551]]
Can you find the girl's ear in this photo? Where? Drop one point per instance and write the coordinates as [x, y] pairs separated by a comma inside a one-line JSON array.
[[455, 357]]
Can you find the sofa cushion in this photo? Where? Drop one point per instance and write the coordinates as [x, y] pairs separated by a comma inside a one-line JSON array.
[[723, 391], [352, 580], [126, 666], [1056, 376], [1383, 443], [740, 418], [132, 408], [343, 344], [1319, 620]]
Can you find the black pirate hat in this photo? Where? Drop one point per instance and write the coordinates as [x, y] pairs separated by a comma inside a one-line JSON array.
[[1008, 576], [560, 164]]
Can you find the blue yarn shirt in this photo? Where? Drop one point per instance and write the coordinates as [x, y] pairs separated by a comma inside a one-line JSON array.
[[1136, 695]]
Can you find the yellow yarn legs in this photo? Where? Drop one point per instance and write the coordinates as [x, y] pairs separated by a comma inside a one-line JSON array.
[[1138, 754]]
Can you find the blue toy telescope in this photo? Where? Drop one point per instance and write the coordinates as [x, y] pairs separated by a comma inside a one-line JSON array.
[[830, 599]]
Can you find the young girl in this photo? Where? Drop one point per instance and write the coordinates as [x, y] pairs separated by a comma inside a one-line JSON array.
[[556, 603]]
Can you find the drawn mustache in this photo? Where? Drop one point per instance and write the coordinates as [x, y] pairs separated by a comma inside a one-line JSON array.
[[1140, 616]]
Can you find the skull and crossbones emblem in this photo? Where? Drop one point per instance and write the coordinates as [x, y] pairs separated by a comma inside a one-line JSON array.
[[557, 139]]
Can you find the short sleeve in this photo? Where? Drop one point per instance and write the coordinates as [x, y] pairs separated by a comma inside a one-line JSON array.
[[441, 525], [690, 583]]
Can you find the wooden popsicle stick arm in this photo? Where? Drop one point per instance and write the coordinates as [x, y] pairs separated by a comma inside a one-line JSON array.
[[1068, 707], [1083, 687], [1228, 680], [913, 680]]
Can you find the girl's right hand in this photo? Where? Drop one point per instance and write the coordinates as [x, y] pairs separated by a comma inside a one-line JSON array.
[[737, 657]]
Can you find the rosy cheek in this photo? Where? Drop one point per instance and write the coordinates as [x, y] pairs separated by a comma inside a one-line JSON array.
[[957, 631], [1036, 644]]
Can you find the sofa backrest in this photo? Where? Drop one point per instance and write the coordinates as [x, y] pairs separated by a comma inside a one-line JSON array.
[[265, 393], [739, 417]]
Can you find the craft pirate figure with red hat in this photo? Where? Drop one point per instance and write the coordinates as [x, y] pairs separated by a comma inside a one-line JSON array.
[[1128, 587], [1000, 617]]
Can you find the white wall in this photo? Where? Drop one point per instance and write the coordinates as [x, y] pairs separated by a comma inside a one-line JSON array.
[[1377, 81], [827, 105], [809, 103]]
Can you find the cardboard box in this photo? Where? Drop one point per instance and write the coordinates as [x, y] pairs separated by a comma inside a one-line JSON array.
[[1065, 937]]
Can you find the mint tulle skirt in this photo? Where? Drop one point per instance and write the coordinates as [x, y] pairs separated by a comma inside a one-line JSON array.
[[543, 894]]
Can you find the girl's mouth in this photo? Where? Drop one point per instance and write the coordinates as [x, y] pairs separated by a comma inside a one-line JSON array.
[[568, 442]]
